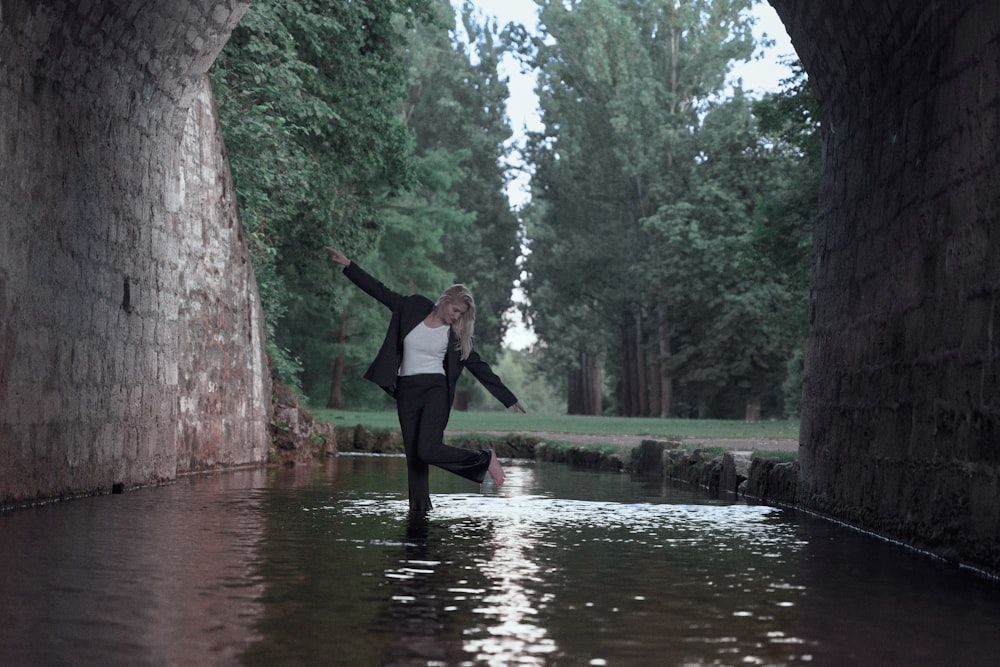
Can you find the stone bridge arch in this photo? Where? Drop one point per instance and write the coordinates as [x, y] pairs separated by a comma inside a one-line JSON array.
[[901, 403], [131, 342]]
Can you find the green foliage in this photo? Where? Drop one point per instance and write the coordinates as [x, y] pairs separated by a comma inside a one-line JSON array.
[[741, 319], [520, 372], [362, 125], [509, 422], [669, 228], [308, 96], [456, 103], [782, 233], [668, 223]]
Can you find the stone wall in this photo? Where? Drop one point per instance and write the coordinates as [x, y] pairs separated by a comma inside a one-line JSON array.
[[131, 343], [223, 377], [901, 404]]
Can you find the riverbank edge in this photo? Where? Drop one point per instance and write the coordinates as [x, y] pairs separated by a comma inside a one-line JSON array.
[[737, 472]]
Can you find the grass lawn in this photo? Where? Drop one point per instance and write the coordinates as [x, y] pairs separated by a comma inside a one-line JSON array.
[[509, 422]]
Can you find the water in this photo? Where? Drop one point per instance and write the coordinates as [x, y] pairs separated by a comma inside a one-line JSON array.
[[321, 566]]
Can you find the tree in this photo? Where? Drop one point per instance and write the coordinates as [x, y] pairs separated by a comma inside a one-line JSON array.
[[782, 234], [308, 96], [455, 102], [454, 222], [621, 88], [415, 227]]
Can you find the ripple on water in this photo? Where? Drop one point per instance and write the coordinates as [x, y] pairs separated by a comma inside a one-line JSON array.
[[324, 565], [557, 573]]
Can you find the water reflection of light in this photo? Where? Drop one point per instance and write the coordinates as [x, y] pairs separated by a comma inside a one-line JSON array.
[[519, 615], [514, 635], [157, 576]]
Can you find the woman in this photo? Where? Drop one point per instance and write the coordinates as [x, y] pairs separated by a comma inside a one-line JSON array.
[[425, 349]]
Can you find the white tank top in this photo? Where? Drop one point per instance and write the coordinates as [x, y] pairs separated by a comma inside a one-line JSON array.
[[423, 350]]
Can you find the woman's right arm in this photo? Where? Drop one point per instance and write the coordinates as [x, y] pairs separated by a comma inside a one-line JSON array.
[[365, 281], [338, 257]]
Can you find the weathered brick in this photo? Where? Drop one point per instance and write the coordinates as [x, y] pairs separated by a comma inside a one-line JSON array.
[[901, 349], [100, 105]]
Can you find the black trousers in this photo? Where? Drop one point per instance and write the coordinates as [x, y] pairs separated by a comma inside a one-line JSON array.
[[422, 406]]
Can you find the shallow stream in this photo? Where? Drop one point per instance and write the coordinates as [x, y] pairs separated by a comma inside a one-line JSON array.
[[321, 565]]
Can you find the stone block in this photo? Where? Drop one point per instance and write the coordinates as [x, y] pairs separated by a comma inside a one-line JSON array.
[[82, 177], [735, 469], [649, 457]]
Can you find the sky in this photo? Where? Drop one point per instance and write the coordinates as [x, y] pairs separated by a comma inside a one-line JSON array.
[[761, 75]]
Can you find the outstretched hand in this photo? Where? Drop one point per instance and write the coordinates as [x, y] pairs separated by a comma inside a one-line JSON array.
[[517, 407], [338, 256]]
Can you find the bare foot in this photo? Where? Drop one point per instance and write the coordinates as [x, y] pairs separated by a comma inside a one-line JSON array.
[[496, 470]]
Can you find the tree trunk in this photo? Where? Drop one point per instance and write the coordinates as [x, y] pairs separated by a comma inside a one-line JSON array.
[[666, 381], [585, 391], [336, 398], [597, 388], [635, 367], [630, 391], [590, 364], [642, 401], [624, 380], [574, 397], [653, 384]]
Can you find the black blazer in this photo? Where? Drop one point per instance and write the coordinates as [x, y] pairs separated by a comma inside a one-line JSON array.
[[408, 312]]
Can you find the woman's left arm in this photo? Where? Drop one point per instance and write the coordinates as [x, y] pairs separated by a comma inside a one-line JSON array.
[[482, 372]]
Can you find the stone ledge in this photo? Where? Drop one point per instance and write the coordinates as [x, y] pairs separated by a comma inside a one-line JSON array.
[[736, 472], [513, 445]]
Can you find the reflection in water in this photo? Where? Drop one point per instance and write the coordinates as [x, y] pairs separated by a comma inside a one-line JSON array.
[[595, 581], [511, 605], [163, 576], [458, 567], [415, 622], [324, 566]]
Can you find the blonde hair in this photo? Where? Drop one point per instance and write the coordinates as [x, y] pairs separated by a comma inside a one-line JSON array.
[[460, 294]]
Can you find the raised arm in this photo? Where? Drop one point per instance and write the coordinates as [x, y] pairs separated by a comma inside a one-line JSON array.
[[365, 281], [338, 257]]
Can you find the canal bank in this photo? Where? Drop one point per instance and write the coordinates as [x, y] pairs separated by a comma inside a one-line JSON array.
[[761, 468], [764, 475]]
